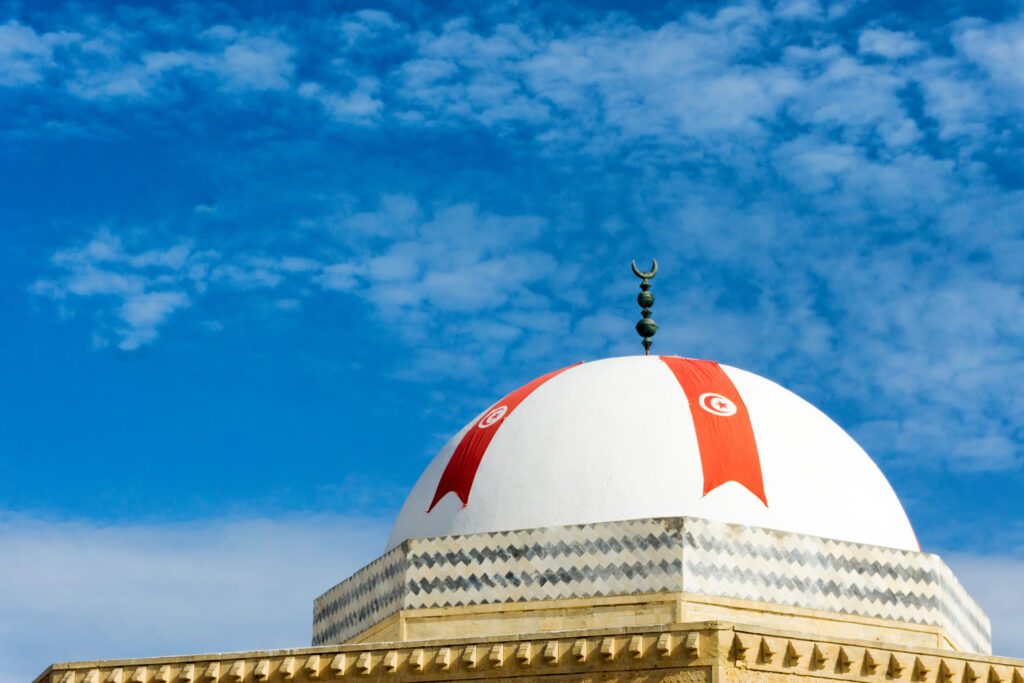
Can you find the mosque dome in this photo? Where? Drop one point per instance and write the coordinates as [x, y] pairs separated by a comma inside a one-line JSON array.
[[654, 436]]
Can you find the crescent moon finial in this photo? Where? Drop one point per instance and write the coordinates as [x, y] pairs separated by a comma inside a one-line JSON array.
[[648, 275], [646, 327]]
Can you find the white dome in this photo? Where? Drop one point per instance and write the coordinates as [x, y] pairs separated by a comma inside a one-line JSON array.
[[615, 439]]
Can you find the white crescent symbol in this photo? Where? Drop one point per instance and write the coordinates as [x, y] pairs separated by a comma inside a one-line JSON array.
[[716, 404], [493, 416]]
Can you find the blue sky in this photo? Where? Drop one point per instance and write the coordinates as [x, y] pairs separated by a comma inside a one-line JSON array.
[[259, 264]]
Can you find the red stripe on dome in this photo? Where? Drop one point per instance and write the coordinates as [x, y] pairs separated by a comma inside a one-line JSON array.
[[728, 451], [461, 470]]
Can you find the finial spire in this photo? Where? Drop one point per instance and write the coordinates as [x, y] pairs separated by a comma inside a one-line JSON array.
[[646, 327]]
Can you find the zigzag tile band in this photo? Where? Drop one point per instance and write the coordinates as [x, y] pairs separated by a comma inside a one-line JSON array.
[[654, 556]]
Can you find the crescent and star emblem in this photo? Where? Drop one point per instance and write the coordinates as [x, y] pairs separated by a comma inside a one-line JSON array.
[[716, 404], [492, 417]]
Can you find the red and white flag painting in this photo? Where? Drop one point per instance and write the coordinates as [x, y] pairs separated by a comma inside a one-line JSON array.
[[728, 451], [461, 469], [725, 437]]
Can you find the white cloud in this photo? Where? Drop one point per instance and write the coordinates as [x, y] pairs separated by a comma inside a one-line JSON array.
[[340, 277], [76, 590], [446, 260], [366, 24], [727, 75], [998, 48], [798, 9], [395, 217], [142, 289], [358, 105], [255, 63], [88, 281], [890, 44], [26, 55], [135, 292], [247, 276], [120, 64], [143, 313], [441, 263], [729, 72]]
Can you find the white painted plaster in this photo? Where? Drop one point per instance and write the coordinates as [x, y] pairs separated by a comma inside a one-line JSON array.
[[613, 440]]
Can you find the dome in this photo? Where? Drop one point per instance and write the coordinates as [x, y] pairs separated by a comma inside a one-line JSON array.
[[654, 436]]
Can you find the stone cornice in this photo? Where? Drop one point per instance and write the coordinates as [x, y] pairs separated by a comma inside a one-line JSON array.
[[676, 647]]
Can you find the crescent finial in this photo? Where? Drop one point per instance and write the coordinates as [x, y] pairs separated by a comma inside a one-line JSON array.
[[647, 275], [646, 327]]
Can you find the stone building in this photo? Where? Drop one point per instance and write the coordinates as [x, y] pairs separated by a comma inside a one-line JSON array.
[[634, 519]]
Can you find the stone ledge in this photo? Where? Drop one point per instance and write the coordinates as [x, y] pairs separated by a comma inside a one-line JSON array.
[[650, 610], [694, 647]]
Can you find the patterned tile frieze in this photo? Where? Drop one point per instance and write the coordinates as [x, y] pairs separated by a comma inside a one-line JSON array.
[[751, 563], [654, 556], [371, 595], [543, 564]]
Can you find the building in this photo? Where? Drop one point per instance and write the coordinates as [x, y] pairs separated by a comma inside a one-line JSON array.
[[647, 518]]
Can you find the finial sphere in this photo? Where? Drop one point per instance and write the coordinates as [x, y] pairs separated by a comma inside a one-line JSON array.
[[646, 327]]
